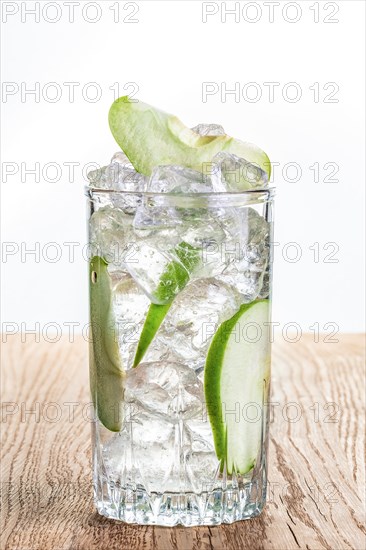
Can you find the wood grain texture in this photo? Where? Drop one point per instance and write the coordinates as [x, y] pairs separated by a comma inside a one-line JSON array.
[[316, 470]]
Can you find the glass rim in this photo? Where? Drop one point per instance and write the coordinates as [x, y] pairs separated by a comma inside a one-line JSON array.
[[227, 198]]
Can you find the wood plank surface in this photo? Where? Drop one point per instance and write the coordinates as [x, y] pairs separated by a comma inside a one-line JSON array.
[[316, 461]]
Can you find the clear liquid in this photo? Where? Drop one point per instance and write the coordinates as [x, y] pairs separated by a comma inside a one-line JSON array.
[[161, 467]]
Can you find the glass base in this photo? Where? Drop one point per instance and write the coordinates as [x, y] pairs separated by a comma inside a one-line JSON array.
[[136, 505]]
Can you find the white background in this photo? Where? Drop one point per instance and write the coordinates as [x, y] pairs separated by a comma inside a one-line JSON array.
[[169, 53]]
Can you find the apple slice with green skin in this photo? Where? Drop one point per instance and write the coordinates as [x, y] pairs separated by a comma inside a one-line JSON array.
[[150, 137], [173, 280], [106, 370], [155, 316], [236, 374]]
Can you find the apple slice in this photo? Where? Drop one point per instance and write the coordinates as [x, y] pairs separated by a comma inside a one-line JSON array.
[[150, 138], [155, 316], [237, 374], [173, 280], [106, 371]]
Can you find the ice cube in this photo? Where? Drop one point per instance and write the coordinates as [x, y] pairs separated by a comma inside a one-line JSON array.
[[155, 212], [195, 315], [216, 233], [202, 465], [246, 273], [178, 179], [121, 158], [247, 279], [142, 453], [119, 175], [158, 454], [161, 349], [203, 469], [164, 396], [99, 178], [169, 390], [202, 228], [110, 234], [151, 257], [160, 448], [157, 267], [130, 306], [237, 173], [117, 458], [154, 452], [209, 130]]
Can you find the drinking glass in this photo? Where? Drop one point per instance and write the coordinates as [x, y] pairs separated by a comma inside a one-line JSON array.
[[180, 302]]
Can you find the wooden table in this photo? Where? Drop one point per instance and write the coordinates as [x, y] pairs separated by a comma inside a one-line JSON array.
[[316, 455]]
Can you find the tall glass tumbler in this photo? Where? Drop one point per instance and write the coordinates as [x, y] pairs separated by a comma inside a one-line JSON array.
[[180, 306]]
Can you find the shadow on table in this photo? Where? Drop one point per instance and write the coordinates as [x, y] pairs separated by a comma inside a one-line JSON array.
[[113, 534]]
